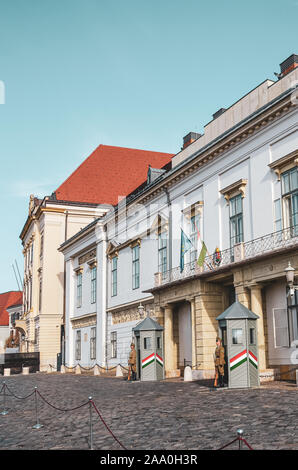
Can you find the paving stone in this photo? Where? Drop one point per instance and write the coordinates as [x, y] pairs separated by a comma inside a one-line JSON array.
[[184, 415]]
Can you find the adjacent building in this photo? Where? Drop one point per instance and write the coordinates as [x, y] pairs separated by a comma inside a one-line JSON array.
[[89, 192], [8, 301]]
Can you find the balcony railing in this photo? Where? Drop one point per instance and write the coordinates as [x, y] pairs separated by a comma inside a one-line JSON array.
[[285, 238]]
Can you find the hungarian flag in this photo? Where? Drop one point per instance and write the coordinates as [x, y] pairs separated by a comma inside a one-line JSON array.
[[203, 250], [202, 255], [185, 246]]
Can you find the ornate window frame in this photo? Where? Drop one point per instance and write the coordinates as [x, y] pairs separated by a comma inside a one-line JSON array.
[[285, 163], [234, 189]]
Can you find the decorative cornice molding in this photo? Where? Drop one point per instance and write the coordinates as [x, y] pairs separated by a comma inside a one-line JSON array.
[[84, 320], [233, 189], [285, 163], [226, 143], [193, 209], [79, 270]]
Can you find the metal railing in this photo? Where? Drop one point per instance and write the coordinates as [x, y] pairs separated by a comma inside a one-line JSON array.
[[285, 238]]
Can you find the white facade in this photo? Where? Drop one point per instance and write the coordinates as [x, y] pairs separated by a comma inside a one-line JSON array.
[[247, 165]]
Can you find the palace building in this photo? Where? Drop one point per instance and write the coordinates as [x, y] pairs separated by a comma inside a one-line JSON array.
[[217, 224]]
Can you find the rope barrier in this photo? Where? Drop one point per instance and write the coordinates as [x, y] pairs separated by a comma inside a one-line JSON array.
[[230, 443], [280, 374], [239, 439], [110, 431], [36, 392], [15, 396], [95, 365], [61, 409]]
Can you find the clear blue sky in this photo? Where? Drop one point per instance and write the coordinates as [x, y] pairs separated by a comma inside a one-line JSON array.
[[79, 73]]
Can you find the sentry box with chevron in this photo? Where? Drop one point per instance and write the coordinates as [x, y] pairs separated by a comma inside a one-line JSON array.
[[149, 345], [238, 330]]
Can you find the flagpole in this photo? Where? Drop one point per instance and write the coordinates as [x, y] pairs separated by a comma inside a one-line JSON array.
[[199, 235]]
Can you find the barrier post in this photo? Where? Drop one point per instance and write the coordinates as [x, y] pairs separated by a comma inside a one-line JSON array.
[[240, 436], [4, 412], [37, 425], [90, 425]]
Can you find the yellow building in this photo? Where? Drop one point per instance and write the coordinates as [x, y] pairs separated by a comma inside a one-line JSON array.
[[87, 194]]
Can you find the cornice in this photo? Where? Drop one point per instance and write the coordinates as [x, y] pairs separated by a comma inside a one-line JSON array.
[[222, 145], [234, 188], [284, 163]]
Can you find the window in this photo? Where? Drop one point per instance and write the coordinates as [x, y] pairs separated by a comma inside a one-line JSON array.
[[252, 336], [162, 253], [79, 289], [31, 254], [93, 343], [289, 188], [158, 342], [36, 336], [136, 267], [194, 227], [40, 294], [237, 336], [93, 284], [114, 275], [78, 346], [147, 343], [41, 246], [113, 344], [236, 220], [30, 293]]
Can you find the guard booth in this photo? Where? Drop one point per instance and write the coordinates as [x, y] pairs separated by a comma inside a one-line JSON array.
[[238, 331], [149, 345]]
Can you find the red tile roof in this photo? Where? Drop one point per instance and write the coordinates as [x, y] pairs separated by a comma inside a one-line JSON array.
[[6, 300], [110, 172]]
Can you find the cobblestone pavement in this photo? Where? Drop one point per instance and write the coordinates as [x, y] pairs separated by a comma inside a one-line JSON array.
[[147, 415]]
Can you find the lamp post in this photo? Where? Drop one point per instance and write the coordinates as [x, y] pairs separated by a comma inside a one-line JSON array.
[[290, 276]]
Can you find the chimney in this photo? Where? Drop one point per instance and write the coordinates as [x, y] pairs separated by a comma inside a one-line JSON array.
[[189, 139], [288, 65], [218, 113]]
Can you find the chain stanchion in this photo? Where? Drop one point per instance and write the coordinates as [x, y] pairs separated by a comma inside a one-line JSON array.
[[37, 425], [240, 436], [4, 412], [240, 440], [90, 425]]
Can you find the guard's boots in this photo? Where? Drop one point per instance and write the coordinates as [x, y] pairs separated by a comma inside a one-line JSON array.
[[134, 376], [221, 381]]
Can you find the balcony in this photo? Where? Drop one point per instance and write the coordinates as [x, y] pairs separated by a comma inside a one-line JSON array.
[[268, 244]]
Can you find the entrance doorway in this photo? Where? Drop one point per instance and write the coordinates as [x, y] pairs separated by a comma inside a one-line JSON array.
[[184, 334]]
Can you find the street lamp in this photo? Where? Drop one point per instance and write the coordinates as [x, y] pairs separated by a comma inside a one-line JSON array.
[[290, 275]]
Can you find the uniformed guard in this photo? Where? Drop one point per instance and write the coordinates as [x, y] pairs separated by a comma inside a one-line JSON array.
[[132, 362], [219, 361]]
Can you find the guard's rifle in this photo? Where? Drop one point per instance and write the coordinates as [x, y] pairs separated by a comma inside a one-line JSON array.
[[129, 371]]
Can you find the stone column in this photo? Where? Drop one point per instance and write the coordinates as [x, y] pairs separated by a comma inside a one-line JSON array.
[[193, 333], [243, 296], [169, 350], [159, 315], [257, 308]]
